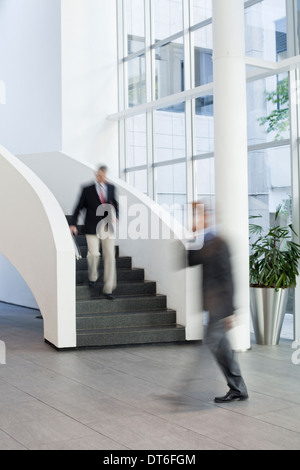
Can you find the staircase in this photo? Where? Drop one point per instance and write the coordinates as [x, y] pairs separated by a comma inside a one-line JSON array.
[[137, 315]]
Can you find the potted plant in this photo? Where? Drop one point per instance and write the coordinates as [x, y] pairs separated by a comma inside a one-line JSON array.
[[274, 259]]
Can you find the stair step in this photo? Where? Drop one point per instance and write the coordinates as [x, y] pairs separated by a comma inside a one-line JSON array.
[[121, 304], [122, 263], [83, 249], [123, 289], [131, 336], [130, 319], [123, 275]]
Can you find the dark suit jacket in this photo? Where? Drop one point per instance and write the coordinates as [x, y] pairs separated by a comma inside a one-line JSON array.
[[90, 201], [217, 277]]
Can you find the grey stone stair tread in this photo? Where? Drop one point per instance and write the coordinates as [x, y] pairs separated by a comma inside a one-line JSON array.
[[123, 274], [127, 336], [153, 311], [119, 269], [120, 304], [84, 292], [132, 328], [129, 320], [123, 262], [122, 283]]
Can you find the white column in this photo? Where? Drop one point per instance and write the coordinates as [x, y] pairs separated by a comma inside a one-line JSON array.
[[294, 119], [230, 117]]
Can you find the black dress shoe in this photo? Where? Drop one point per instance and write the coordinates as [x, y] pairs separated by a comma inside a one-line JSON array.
[[92, 283], [109, 296], [231, 396]]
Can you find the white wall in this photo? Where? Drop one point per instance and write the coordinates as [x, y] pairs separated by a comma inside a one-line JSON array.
[[89, 81], [36, 240], [30, 71], [58, 69], [13, 288]]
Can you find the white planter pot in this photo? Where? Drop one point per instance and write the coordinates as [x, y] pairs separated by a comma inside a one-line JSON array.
[[268, 308]]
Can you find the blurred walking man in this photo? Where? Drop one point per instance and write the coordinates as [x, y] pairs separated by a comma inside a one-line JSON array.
[[213, 254]]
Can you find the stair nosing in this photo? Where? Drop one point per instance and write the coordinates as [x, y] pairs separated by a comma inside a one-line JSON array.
[[133, 329], [155, 311], [120, 298]]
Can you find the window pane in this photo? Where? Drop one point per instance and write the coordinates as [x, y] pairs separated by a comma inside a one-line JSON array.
[[169, 138], [138, 179], [137, 141], [268, 109], [135, 25], [202, 10], [168, 18], [171, 189], [269, 182], [169, 69], [206, 181], [203, 51], [298, 24], [266, 32], [204, 125], [136, 81]]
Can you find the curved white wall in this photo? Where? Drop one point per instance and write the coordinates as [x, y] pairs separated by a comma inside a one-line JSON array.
[[35, 238]]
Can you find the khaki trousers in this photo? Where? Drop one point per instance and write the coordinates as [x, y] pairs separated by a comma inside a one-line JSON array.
[[109, 259]]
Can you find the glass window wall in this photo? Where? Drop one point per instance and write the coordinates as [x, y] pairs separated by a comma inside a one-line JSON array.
[[203, 50], [136, 81], [267, 99], [168, 18], [202, 10], [172, 189], [135, 25], [169, 150], [205, 173], [169, 69], [137, 140], [169, 134], [139, 180], [270, 183], [203, 126], [266, 30], [268, 109]]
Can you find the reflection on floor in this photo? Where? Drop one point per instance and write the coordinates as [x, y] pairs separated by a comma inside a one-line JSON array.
[[148, 397], [287, 331]]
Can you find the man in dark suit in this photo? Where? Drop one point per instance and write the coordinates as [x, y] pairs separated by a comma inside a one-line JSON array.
[[217, 285], [100, 205]]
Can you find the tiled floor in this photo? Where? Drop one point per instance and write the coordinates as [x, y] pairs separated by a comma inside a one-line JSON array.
[[153, 397]]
